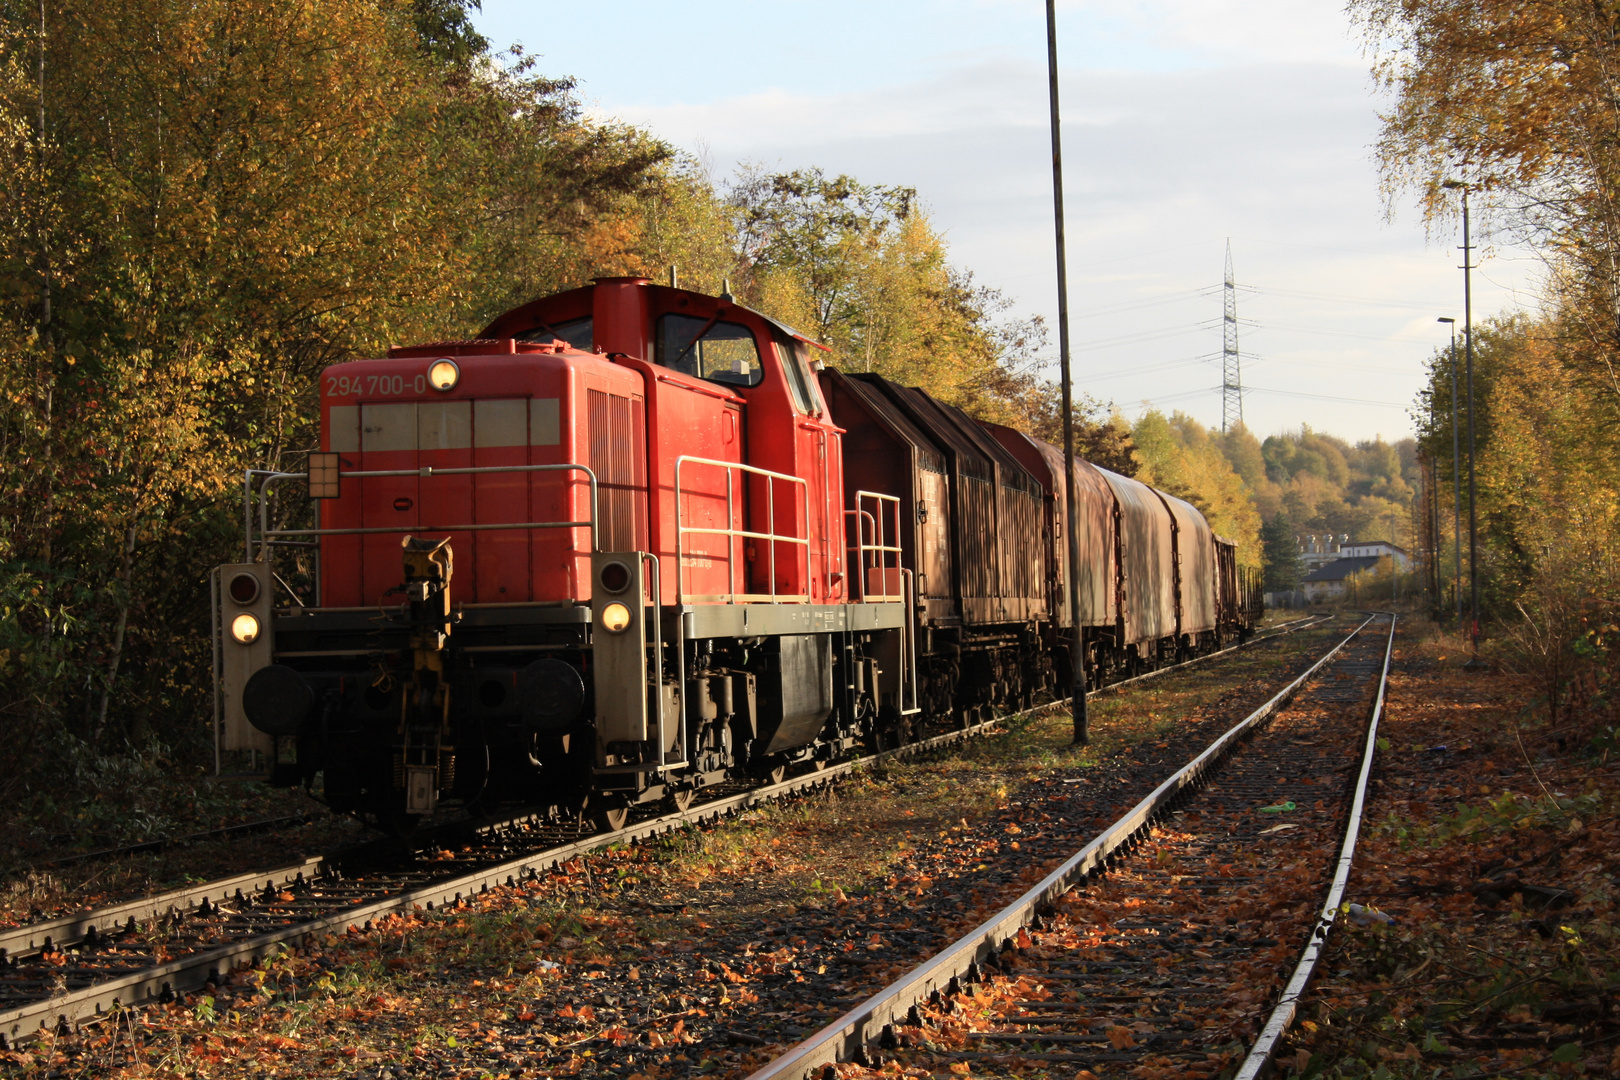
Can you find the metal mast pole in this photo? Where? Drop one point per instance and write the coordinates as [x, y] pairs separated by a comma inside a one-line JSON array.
[[1077, 651], [1456, 482], [1231, 377], [1438, 591], [1473, 506]]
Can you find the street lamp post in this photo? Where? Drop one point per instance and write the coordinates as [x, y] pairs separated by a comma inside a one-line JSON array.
[[1456, 479], [1468, 350], [1394, 563]]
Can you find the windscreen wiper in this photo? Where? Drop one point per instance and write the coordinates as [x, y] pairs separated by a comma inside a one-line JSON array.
[[693, 343]]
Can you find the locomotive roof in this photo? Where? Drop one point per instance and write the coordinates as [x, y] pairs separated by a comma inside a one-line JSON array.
[[524, 315]]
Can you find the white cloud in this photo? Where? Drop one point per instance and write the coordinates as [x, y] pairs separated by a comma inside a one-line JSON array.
[[1232, 31], [1185, 122]]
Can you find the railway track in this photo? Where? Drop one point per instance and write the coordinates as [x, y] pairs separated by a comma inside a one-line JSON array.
[[1166, 941], [168, 843], [68, 971]]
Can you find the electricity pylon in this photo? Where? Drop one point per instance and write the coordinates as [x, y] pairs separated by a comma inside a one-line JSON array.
[[1231, 377]]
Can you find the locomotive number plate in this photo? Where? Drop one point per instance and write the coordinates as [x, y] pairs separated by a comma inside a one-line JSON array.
[[374, 385]]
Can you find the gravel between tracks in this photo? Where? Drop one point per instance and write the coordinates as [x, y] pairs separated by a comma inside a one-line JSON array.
[[702, 953]]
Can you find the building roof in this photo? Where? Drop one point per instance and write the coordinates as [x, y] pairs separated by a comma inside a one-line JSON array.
[[1342, 568]]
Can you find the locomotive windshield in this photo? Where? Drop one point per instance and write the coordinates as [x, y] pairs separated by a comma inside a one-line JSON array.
[[579, 333], [726, 353]]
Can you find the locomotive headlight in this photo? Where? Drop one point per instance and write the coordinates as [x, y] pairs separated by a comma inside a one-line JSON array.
[[443, 374], [615, 577], [244, 588], [615, 618], [245, 628]]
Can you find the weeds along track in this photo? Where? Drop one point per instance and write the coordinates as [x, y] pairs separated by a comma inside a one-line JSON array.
[[67, 971], [1165, 946]]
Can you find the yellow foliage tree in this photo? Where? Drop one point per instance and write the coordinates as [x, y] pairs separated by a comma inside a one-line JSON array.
[[1181, 456]]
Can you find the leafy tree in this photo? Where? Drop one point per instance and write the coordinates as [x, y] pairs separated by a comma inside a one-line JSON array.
[[1280, 554], [1515, 100], [1184, 458], [446, 33], [1328, 487], [222, 200], [860, 268], [832, 236]]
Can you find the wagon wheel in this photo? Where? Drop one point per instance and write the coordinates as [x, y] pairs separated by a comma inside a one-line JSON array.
[[905, 730]]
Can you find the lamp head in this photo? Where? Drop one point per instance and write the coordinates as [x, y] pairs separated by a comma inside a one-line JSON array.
[[1446, 320]]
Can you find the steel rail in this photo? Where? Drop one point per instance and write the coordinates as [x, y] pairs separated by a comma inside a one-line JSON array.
[[21, 940], [196, 969], [164, 843], [1293, 626], [846, 1038], [1282, 1016]]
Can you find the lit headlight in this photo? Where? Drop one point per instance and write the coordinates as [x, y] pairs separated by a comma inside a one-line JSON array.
[[443, 374], [245, 628], [615, 618]]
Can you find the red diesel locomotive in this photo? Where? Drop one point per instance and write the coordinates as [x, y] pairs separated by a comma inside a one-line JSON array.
[[633, 540]]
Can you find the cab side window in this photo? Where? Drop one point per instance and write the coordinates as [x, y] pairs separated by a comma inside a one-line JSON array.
[[800, 382], [726, 353]]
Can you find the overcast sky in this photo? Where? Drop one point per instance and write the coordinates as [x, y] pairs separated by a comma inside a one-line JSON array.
[[1185, 123]]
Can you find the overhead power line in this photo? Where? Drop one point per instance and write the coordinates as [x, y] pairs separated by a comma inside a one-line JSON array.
[[1328, 397], [1132, 339], [1345, 334], [1138, 305], [1341, 298]]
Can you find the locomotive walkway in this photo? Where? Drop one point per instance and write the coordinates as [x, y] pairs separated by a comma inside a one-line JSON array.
[[1165, 940], [69, 971]]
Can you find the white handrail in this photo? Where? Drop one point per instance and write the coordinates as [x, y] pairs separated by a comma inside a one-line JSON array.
[[881, 548], [772, 537]]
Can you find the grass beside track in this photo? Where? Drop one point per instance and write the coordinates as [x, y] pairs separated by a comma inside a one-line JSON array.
[[1493, 841], [703, 952]]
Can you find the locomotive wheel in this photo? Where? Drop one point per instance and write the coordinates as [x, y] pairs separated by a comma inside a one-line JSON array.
[[681, 800], [610, 816]]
